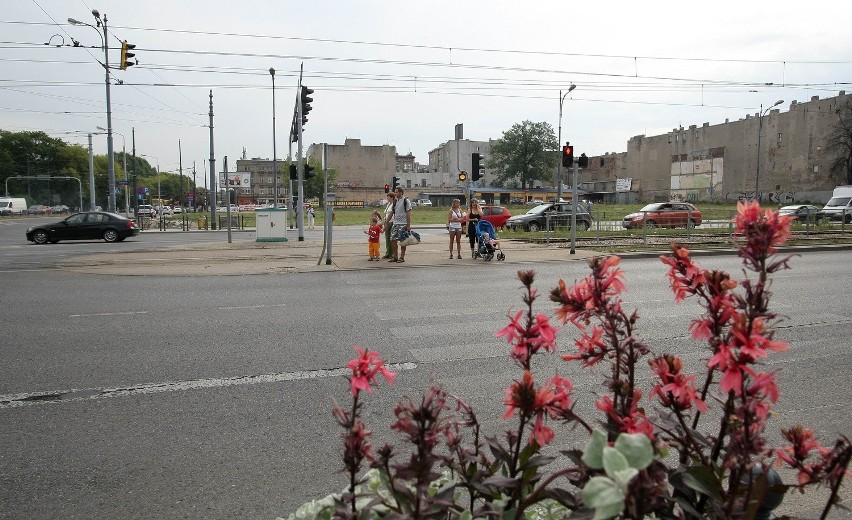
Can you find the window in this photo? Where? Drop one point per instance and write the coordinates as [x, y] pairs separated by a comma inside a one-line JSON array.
[[816, 168], [779, 139]]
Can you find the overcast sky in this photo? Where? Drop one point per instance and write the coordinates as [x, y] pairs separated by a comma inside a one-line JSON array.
[[404, 73]]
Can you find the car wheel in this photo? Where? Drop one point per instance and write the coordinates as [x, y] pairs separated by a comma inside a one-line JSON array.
[[41, 237], [110, 235], [584, 226], [848, 219], [651, 224], [690, 224], [533, 227]]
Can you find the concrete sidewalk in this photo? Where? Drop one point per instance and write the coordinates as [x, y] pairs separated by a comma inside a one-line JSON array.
[[248, 257]]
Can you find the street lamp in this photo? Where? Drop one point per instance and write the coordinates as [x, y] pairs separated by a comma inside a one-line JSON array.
[[274, 153], [126, 180], [158, 175], [759, 131], [559, 144], [105, 64]]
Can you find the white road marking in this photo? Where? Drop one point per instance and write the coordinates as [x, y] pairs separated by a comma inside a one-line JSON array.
[[131, 313], [252, 306], [64, 396]]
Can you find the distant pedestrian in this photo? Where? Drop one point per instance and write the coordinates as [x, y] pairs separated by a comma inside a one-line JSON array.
[[474, 215], [454, 225], [311, 217], [373, 234], [388, 224]]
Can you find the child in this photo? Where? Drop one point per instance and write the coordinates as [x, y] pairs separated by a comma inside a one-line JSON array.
[[373, 233]]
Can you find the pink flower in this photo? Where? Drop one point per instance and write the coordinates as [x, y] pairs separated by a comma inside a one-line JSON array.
[[364, 370], [675, 389]]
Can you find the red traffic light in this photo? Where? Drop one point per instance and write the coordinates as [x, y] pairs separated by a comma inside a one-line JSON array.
[[567, 155], [387, 188]]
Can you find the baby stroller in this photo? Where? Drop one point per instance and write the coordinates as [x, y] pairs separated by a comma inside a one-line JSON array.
[[486, 240]]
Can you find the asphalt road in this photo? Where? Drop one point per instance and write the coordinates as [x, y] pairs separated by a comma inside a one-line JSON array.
[[210, 397]]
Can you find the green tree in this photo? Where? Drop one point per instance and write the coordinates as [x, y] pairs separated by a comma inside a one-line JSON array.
[[524, 155], [839, 144]]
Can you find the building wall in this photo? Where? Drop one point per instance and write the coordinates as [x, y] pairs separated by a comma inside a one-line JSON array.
[[262, 181], [359, 166], [451, 157], [720, 162]]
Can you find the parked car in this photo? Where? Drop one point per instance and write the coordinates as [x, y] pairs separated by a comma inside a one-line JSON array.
[[145, 210], [805, 212], [535, 202], [840, 205], [554, 215], [516, 200], [664, 214], [59, 209], [163, 210], [92, 225], [424, 202], [38, 209], [497, 215]]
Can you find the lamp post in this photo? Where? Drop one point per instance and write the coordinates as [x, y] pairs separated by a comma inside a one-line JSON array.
[[126, 180], [105, 64], [158, 175], [274, 153], [559, 144], [759, 131]]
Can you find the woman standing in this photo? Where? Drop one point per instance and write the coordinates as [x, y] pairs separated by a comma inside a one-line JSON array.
[[473, 218], [454, 225]]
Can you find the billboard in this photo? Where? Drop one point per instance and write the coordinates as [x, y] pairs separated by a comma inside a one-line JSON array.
[[235, 180]]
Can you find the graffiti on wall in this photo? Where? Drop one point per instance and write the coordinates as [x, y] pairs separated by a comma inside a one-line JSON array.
[[775, 197]]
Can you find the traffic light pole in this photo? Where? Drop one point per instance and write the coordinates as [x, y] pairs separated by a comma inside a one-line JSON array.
[[300, 166], [574, 209]]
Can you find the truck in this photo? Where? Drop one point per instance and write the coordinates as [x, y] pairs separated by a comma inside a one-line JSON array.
[[13, 206], [840, 205]]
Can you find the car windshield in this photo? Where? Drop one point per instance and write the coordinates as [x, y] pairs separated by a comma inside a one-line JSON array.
[[652, 207], [838, 201], [538, 210]]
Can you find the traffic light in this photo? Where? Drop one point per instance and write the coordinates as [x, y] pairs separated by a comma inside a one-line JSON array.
[[126, 55], [567, 155], [477, 166], [583, 161], [387, 188], [306, 103], [294, 173], [294, 132], [395, 183], [462, 176], [309, 171]]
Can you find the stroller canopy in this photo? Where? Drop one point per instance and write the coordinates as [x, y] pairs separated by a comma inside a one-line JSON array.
[[483, 227]]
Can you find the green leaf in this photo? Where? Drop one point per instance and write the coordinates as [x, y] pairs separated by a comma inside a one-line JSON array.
[[703, 480], [613, 461], [603, 495], [593, 454], [622, 478], [636, 448]]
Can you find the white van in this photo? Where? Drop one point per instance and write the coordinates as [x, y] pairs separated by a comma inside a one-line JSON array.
[[13, 206], [840, 205]]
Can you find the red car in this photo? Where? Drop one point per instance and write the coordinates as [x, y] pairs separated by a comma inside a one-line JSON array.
[[497, 215], [664, 214]]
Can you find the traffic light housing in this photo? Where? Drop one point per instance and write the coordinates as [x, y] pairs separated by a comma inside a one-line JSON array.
[[477, 163], [306, 100], [583, 161], [309, 171], [395, 183], [462, 176], [294, 173], [126, 55], [387, 188], [567, 155]]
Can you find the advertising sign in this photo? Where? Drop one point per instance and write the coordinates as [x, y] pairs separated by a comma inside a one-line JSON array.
[[235, 180]]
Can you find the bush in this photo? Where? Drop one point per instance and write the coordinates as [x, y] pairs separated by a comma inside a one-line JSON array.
[[670, 463]]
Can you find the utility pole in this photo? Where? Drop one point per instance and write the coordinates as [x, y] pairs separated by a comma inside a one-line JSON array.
[[211, 195], [91, 177]]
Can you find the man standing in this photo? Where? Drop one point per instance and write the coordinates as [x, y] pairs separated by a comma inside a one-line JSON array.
[[388, 223], [401, 217]]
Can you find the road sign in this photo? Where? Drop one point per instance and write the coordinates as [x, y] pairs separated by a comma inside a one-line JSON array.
[[122, 182]]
